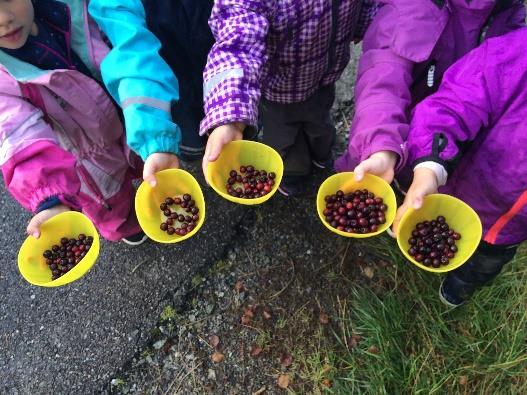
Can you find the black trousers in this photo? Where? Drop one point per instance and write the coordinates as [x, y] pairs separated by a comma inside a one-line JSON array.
[[482, 267], [300, 132]]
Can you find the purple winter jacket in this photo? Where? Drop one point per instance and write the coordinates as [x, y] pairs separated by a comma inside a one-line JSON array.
[[481, 110], [409, 44]]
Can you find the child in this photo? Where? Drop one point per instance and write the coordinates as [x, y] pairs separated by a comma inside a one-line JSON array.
[[290, 53], [61, 138], [406, 50], [155, 72], [474, 128]]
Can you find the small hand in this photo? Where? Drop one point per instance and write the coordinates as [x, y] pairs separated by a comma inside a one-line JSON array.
[[381, 164], [423, 184], [156, 162], [219, 137], [33, 228]]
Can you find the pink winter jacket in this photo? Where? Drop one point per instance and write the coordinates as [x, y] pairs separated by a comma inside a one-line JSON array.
[[60, 135]]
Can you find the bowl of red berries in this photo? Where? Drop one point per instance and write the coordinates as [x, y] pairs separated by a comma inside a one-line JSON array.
[[247, 172], [173, 210], [356, 209], [440, 236], [66, 250]]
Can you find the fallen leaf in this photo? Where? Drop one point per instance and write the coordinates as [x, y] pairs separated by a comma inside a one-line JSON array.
[[255, 350], [260, 391], [238, 286], [286, 360], [214, 340], [167, 346], [354, 340], [373, 350], [323, 318], [283, 381], [245, 319], [266, 315], [248, 312], [368, 272], [217, 357], [327, 383], [463, 380]]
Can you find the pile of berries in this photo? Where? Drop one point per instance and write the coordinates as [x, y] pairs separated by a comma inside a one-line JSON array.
[[355, 212], [176, 222], [433, 243], [62, 258], [250, 183]]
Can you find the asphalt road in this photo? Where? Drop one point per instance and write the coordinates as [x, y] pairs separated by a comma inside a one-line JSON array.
[[74, 338]]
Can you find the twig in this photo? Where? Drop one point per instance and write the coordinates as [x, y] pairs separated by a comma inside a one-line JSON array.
[[287, 285], [139, 264]]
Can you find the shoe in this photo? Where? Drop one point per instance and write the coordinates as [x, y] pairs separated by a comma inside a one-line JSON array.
[[323, 164], [135, 240], [290, 186], [450, 300]]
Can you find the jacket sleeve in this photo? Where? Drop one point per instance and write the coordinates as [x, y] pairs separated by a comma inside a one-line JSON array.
[[34, 166], [508, 20], [455, 113], [137, 77], [392, 46], [232, 75]]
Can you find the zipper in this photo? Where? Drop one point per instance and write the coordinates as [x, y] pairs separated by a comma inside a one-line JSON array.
[[334, 27], [94, 189]]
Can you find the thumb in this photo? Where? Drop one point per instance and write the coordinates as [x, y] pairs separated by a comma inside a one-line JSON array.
[[360, 170], [215, 150], [33, 228], [148, 175]]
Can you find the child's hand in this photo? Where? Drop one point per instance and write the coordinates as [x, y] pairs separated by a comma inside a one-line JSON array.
[[424, 183], [381, 164], [156, 162], [33, 228], [218, 138]]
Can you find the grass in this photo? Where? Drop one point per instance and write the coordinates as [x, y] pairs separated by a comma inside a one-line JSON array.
[[426, 348]]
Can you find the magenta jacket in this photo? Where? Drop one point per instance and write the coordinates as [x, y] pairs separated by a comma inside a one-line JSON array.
[[406, 50], [60, 135], [480, 115]]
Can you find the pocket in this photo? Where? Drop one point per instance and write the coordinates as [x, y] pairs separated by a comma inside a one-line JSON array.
[[419, 27]]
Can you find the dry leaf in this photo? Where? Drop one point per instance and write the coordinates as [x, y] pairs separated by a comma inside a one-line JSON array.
[[238, 286], [373, 350], [327, 383], [260, 391], [266, 315], [255, 350], [167, 346], [368, 272], [214, 340], [217, 357], [245, 319], [283, 381], [323, 318], [286, 360], [354, 340], [463, 380], [249, 312]]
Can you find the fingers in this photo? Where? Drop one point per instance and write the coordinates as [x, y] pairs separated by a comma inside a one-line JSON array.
[[375, 165]]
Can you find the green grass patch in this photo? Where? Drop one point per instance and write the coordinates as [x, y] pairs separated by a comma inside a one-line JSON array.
[[423, 347]]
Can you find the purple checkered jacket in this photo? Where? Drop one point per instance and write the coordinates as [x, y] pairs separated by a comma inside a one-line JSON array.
[[283, 49]]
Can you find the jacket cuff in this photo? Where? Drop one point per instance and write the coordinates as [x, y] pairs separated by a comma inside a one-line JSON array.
[[229, 112], [48, 203], [438, 169], [166, 144]]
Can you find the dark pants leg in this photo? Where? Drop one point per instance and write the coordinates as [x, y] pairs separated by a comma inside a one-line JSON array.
[[480, 269], [301, 131]]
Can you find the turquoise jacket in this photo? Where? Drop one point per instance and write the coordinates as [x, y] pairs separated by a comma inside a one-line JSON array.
[[137, 77]]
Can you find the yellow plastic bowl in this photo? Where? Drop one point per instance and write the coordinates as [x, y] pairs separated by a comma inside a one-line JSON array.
[[346, 183], [459, 216], [170, 183], [70, 224], [243, 153]]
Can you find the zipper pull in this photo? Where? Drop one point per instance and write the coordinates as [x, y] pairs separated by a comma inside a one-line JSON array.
[[431, 76]]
